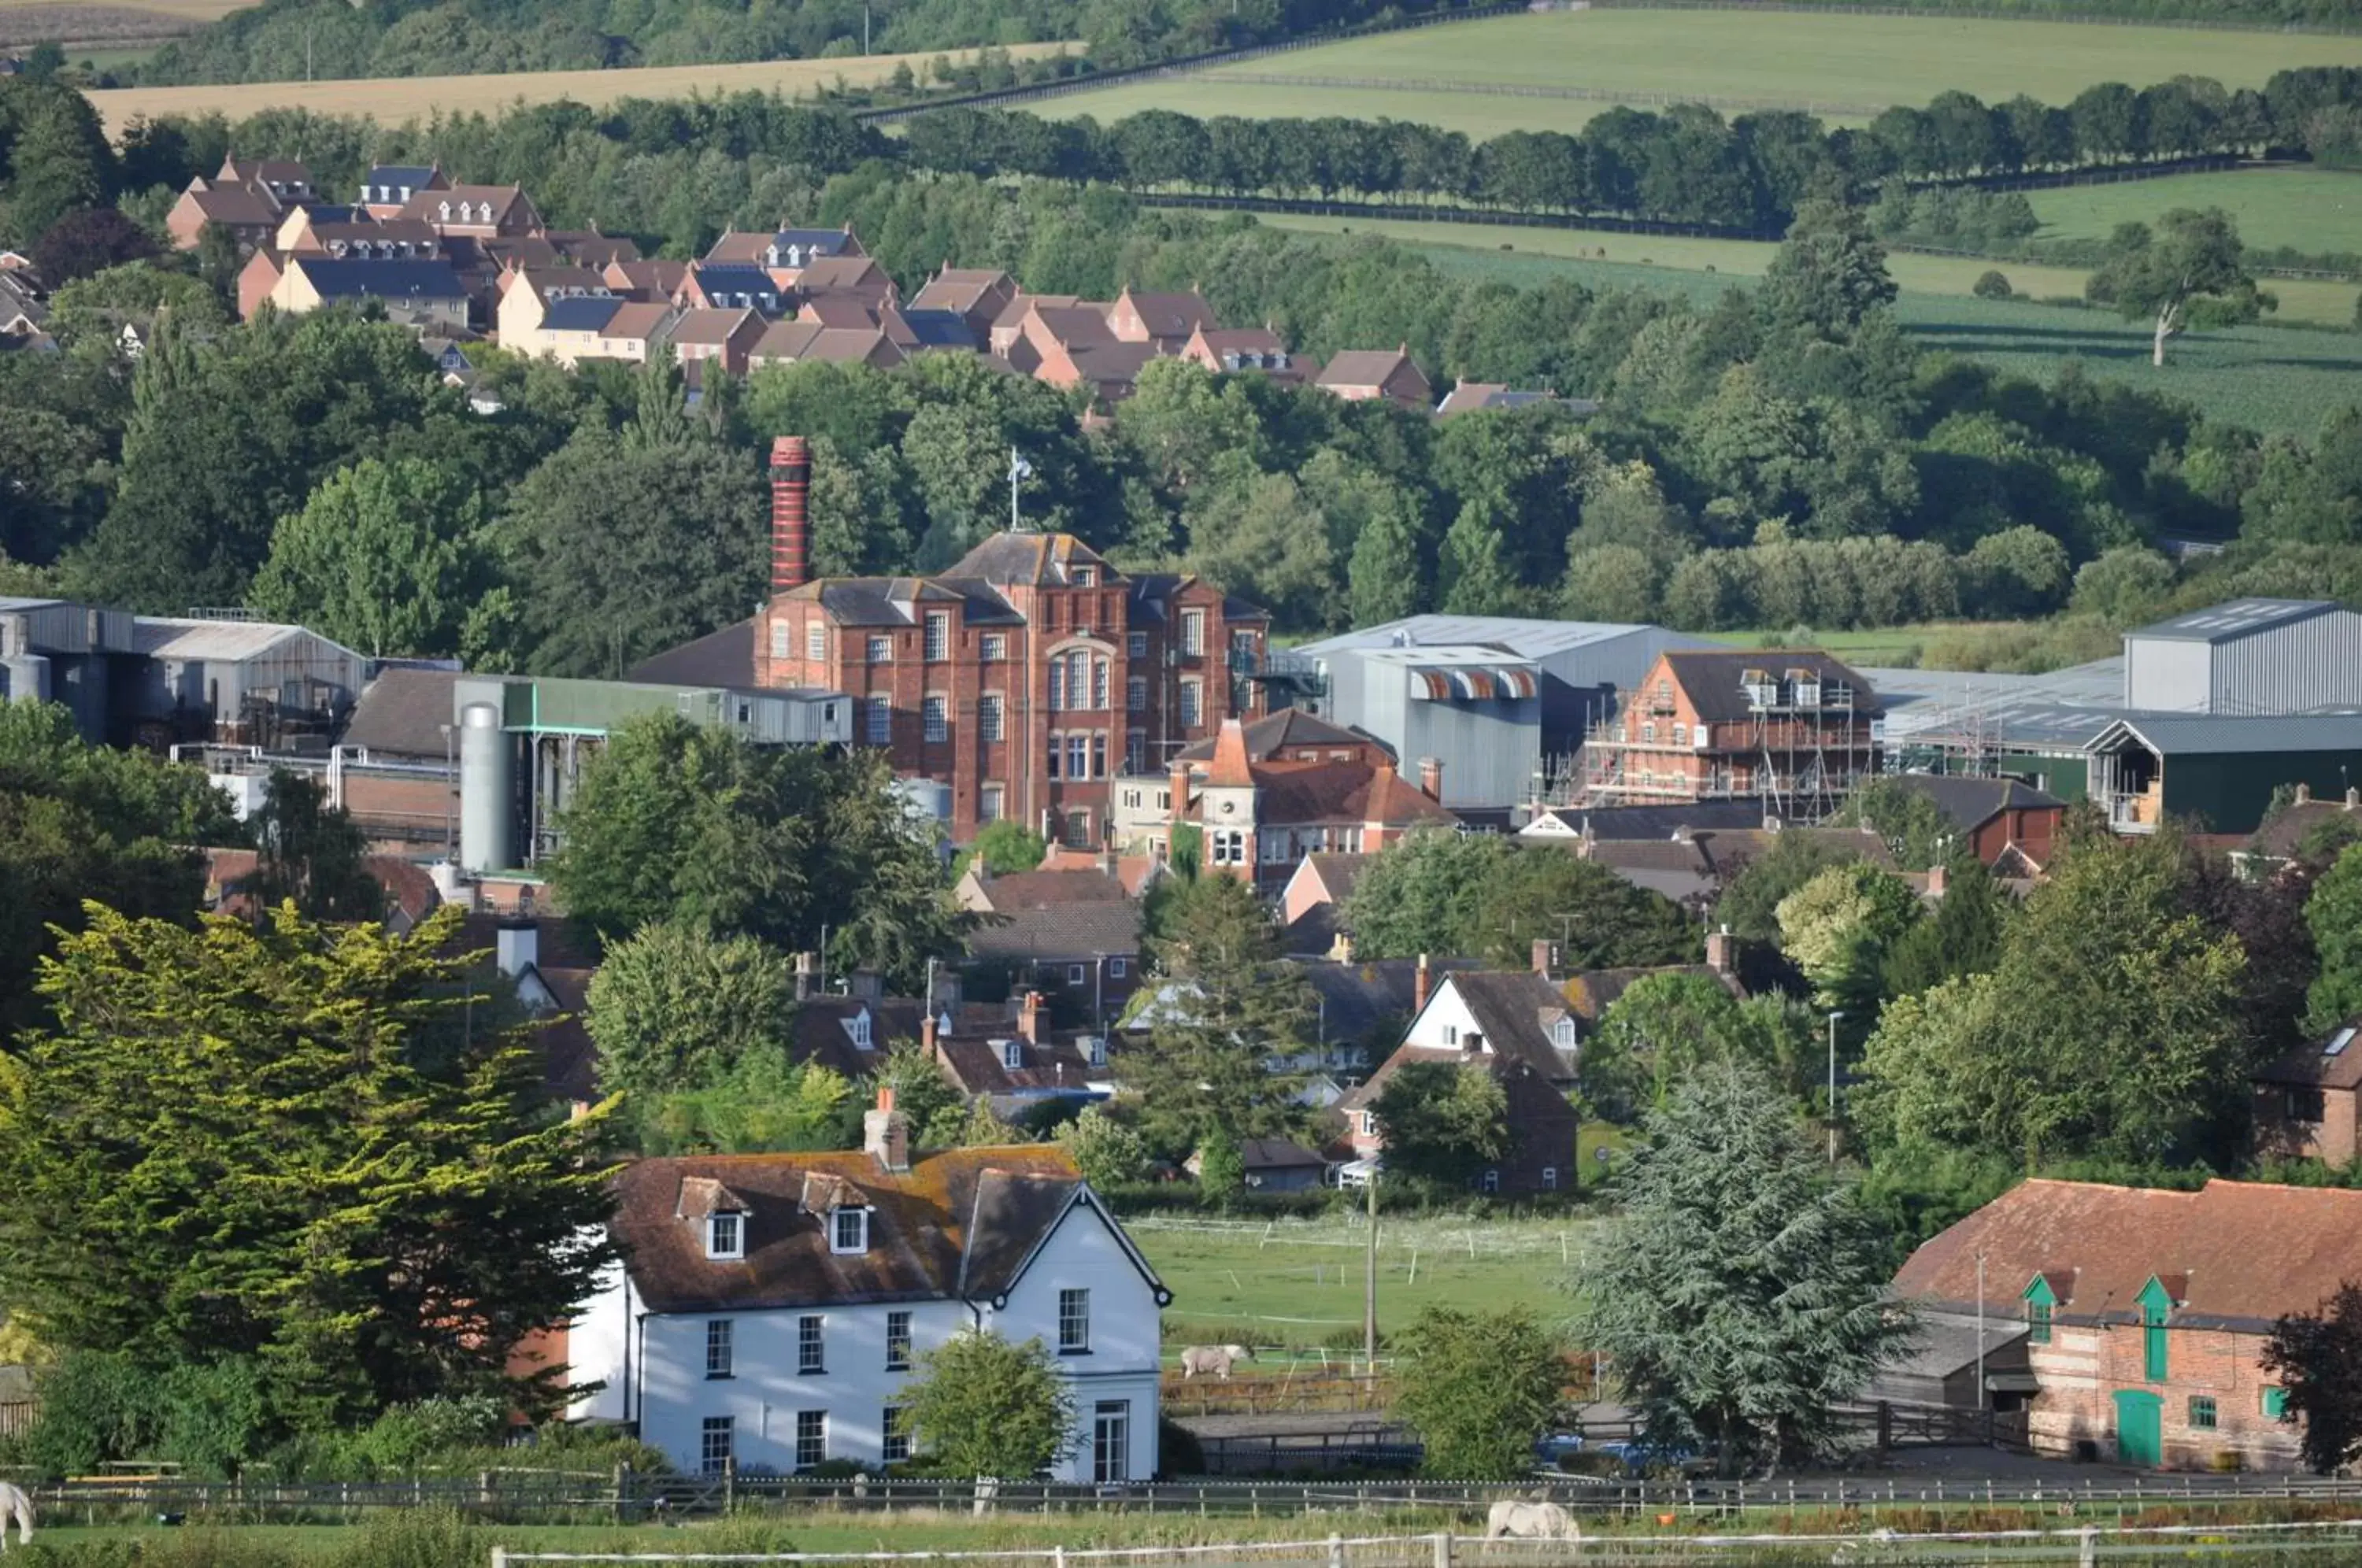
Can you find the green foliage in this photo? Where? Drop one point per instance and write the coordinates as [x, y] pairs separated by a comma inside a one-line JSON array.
[[921, 1091], [1749, 906], [968, 1124], [2335, 915], [312, 853], [365, 1201], [2109, 1027], [675, 1007], [1665, 1027], [1963, 937], [1479, 1388], [2187, 271], [1741, 1294], [979, 1406], [1007, 846], [1222, 1004], [706, 829], [1914, 828], [1221, 1170], [384, 558], [1443, 1124], [1839, 927], [1481, 896], [2318, 1355], [1991, 284], [765, 1102], [1108, 1152]]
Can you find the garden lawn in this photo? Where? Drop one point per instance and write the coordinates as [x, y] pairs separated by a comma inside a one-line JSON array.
[[1303, 1285], [1843, 66], [2317, 211]]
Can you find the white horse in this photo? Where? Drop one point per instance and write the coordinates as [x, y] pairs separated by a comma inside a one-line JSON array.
[[1216, 1361], [15, 1505], [1530, 1521]]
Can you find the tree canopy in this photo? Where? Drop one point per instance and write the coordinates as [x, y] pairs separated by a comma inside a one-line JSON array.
[[2188, 271], [1479, 1388], [980, 1406], [2318, 1356]]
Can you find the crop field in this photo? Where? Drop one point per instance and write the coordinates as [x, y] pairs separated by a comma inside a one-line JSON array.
[[1843, 66], [392, 99], [2317, 211], [1884, 647], [23, 22], [1299, 1281]]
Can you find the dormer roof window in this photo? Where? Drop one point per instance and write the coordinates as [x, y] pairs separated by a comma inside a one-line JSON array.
[[1562, 1033], [858, 1027], [848, 1230], [726, 1235], [443, 210], [1013, 1054]]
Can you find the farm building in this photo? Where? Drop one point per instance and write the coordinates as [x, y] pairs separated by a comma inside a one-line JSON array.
[[52, 650], [2247, 656]]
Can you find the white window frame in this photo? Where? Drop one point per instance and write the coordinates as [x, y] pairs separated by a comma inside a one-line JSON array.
[[878, 721], [989, 720], [1193, 703], [726, 1235], [1075, 1322], [935, 718], [880, 650], [995, 646], [1135, 694], [816, 643], [938, 645], [1118, 967], [991, 803], [781, 635], [848, 1230], [899, 1340], [893, 1436], [812, 1439], [1012, 1054], [811, 1345], [713, 1459], [719, 1349], [1193, 631], [1135, 644]]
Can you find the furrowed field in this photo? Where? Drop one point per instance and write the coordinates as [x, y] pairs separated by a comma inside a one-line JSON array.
[[2269, 377], [1842, 66], [398, 98]]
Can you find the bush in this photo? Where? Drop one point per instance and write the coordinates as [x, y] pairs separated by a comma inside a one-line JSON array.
[[1991, 285], [1178, 1451], [402, 1439]]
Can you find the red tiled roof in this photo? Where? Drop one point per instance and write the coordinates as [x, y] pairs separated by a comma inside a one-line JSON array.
[[2247, 1253], [1297, 792], [1042, 889]]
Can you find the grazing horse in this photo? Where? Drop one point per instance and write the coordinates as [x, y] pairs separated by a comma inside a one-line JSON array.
[[15, 1505], [1213, 1360], [1531, 1521]]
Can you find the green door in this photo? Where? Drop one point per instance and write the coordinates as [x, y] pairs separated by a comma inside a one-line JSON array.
[[2141, 1428]]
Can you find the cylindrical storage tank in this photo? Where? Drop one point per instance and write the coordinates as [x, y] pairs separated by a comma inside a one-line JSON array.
[[487, 790], [25, 679]]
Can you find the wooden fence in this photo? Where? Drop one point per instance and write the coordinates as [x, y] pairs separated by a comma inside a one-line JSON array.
[[17, 1416]]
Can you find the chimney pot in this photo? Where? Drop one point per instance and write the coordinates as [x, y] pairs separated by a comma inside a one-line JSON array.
[[1542, 956], [790, 526], [1419, 986], [1029, 1018], [1722, 952], [885, 1134], [2304, 794], [805, 965], [927, 1038]]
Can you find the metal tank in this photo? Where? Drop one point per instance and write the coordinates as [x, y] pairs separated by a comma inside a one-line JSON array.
[[487, 791]]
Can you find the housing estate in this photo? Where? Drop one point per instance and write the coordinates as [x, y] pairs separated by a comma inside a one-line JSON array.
[[771, 1307], [2142, 1313], [1073, 932]]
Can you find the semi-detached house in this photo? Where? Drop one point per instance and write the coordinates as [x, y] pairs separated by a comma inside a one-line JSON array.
[[772, 1307]]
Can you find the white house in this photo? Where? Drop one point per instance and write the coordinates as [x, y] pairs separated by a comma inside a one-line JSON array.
[[770, 1305]]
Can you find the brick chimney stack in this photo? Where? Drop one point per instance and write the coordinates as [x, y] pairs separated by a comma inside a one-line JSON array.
[[1419, 986], [1430, 779], [886, 1133], [1029, 1018], [790, 526]]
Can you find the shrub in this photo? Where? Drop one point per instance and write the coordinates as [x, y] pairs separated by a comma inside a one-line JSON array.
[[1179, 1449], [416, 1538], [1991, 285], [406, 1436]]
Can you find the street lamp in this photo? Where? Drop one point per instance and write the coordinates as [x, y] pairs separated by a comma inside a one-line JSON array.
[[1833, 1086]]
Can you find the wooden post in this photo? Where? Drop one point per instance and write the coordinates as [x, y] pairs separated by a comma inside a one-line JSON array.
[[1444, 1549], [730, 1485], [499, 1557], [1336, 1552]]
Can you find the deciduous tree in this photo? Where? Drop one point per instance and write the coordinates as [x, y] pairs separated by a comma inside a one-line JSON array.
[[2189, 271], [386, 558], [1480, 1388], [2318, 1355], [1443, 1124], [980, 1406], [674, 1006]]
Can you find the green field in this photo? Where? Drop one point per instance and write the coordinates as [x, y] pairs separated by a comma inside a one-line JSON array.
[[1301, 1282], [1841, 66], [2269, 377], [2318, 211], [1885, 647]]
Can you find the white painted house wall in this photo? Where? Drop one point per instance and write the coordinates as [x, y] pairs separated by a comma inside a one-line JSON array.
[[653, 1367], [1445, 1023]]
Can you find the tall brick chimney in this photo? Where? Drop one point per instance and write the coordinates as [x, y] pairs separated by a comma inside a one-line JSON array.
[[790, 529]]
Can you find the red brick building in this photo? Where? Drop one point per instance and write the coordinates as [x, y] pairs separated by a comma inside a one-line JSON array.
[[1791, 727], [2144, 1311], [2309, 1102], [1025, 677], [1336, 791]]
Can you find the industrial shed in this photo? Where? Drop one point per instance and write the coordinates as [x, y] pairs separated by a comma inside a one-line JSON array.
[[2247, 656], [242, 682], [2218, 772]]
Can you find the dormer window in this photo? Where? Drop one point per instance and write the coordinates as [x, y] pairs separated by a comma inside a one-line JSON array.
[[443, 210], [848, 1230], [726, 1235], [1562, 1034], [1013, 1054], [1099, 1050], [1087, 576], [858, 1027]]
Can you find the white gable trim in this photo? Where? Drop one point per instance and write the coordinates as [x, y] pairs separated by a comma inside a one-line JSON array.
[[1084, 1199]]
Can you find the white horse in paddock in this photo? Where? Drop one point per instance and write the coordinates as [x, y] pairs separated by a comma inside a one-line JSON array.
[[1529, 1521], [1215, 1360], [15, 1505]]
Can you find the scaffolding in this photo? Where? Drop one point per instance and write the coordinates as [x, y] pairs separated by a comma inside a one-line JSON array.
[[1804, 741]]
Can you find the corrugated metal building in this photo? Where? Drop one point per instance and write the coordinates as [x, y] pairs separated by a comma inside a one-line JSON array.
[[2219, 772], [2247, 656], [242, 682], [52, 650], [1497, 699]]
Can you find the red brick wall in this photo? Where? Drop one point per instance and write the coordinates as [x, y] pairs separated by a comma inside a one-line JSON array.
[[2083, 1367]]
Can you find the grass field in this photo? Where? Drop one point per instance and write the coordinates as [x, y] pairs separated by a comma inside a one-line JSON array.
[[396, 98], [2313, 210], [1840, 64], [1887, 648], [1301, 1283]]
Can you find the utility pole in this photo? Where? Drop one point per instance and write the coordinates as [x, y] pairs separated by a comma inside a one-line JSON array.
[[1980, 1330], [1833, 1086], [1370, 1281], [864, 26], [1019, 471]]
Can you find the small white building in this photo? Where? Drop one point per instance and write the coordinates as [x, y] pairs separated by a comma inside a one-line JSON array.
[[771, 1305]]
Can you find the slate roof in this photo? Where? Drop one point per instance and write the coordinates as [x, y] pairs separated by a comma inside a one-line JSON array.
[[338, 278], [1015, 891], [396, 175], [2333, 1063], [975, 1064], [1068, 932], [1277, 1153], [1711, 677], [588, 313], [237, 206], [959, 1224], [1362, 368], [2236, 735], [2244, 1254], [725, 657], [1678, 870], [709, 328], [750, 245], [402, 712], [1969, 803], [845, 274], [1288, 728], [1038, 559], [939, 328], [1510, 1007]]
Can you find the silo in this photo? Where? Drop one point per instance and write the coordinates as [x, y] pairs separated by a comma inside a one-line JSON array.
[[487, 790], [25, 677]]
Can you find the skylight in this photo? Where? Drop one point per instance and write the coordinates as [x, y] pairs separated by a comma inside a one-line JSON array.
[[2339, 1041]]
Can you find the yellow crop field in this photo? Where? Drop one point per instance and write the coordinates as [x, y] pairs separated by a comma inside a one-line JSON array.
[[392, 99], [23, 22]]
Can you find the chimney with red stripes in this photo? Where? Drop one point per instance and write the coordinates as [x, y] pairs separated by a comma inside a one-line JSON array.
[[790, 530]]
